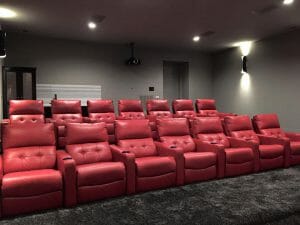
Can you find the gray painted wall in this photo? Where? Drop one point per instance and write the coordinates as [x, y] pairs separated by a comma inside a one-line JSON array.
[[274, 68], [72, 62]]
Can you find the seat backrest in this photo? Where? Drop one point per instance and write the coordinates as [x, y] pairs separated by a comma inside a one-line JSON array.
[[209, 129], [159, 108], [175, 132], [136, 137], [88, 142], [184, 108], [66, 111], [131, 109], [206, 106], [268, 124], [101, 110], [28, 147], [26, 111], [240, 127]]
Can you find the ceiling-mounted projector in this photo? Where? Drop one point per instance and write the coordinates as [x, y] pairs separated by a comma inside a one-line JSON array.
[[133, 61]]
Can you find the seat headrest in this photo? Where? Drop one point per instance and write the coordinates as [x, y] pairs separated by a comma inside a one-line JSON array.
[[182, 104], [207, 125], [238, 123], [206, 104], [128, 105], [26, 107], [100, 106], [173, 127], [65, 106], [266, 121], [157, 105], [81, 133], [27, 135], [132, 129]]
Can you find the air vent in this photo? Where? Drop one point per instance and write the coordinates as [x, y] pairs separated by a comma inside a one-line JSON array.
[[208, 33], [98, 18], [266, 9]]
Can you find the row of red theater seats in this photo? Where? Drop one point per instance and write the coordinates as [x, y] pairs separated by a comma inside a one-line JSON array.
[[65, 111], [35, 176]]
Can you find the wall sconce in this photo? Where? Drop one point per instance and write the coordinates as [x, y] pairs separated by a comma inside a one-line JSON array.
[[245, 48]]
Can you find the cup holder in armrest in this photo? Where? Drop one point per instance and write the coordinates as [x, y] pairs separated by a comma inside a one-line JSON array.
[[66, 158], [173, 146], [214, 143], [125, 152]]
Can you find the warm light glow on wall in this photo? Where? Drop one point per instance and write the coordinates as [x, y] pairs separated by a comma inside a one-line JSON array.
[[245, 82], [245, 47]]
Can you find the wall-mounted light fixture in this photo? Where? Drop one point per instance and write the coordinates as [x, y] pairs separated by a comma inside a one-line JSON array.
[[245, 48]]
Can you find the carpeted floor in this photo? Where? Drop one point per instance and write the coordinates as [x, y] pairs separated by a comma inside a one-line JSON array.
[[271, 198]]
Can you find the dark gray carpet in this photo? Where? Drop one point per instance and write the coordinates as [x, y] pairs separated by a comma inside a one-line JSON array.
[[271, 198]]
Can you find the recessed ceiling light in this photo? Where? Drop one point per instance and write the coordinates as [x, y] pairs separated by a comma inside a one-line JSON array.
[[288, 2], [196, 38], [92, 25], [7, 13]]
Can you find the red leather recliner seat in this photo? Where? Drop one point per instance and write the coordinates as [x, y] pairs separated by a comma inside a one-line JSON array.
[[207, 107], [271, 151], [146, 169], [97, 175], [183, 108], [63, 112], [159, 108], [26, 111], [268, 125], [33, 173], [193, 163], [132, 109], [103, 111], [238, 159]]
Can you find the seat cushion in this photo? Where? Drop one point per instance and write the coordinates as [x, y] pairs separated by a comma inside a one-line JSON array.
[[295, 147], [30, 183], [271, 151], [239, 155], [199, 160], [100, 173], [154, 166]]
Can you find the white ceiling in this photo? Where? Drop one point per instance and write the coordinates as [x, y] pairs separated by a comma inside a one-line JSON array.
[[167, 23]]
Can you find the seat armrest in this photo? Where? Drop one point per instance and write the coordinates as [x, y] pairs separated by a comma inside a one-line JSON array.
[[67, 166], [293, 136], [241, 143], [268, 140], [50, 120], [178, 154], [86, 119], [5, 121], [128, 158], [91, 120], [222, 114], [218, 149]]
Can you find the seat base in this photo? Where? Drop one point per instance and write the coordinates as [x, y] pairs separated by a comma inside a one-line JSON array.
[[97, 192], [267, 164], [156, 182], [15, 206], [295, 160], [194, 175], [239, 169]]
